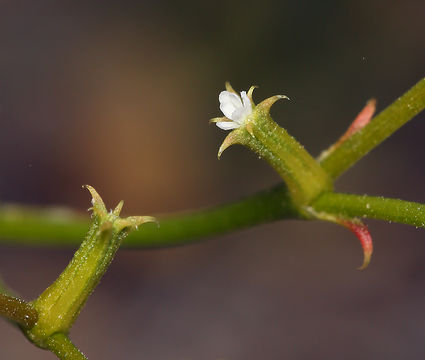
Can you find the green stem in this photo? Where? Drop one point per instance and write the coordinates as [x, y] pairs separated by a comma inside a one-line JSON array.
[[63, 348], [263, 207], [59, 305], [381, 126], [18, 311], [30, 225], [303, 175], [44, 228], [374, 207], [266, 206]]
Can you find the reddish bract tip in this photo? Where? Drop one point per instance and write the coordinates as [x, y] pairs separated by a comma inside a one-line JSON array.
[[362, 232], [361, 120]]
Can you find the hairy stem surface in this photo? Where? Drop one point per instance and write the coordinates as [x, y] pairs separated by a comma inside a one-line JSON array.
[[18, 311], [63, 348], [380, 127], [375, 207], [178, 229], [266, 206]]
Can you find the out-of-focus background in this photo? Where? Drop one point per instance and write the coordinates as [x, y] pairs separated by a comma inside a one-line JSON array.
[[118, 94]]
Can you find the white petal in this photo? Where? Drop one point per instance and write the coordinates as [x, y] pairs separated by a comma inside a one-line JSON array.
[[227, 125], [247, 107], [229, 102], [246, 102], [239, 115], [227, 96]]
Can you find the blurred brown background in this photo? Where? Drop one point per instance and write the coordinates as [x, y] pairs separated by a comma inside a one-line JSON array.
[[118, 94]]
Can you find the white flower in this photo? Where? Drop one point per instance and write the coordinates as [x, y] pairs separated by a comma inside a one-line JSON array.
[[234, 108]]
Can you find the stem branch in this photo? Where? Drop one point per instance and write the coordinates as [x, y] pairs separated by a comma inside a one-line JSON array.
[[63, 348], [18, 311], [380, 127], [262, 207], [375, 207], [44, 228], [266, 206]]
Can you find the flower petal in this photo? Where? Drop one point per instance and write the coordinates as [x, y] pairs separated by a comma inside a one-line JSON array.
[[247, 106], [229, 102], [227, 125], [239, 115], [246, 101]]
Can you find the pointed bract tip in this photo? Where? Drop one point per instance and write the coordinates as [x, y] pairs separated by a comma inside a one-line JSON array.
[[230, 88], [221, 150], [366, 261], [362, 232], [355, 225], [133, 222], [230, 139], [146, 219], [118, 208], [363, 118], [267, 103], [139, 220], [372, 102], [97, 202], [282, 97], [250, 92]]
